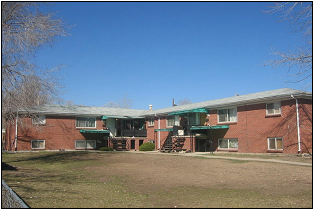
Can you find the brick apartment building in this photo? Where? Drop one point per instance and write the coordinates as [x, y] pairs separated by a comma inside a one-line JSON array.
[[276, 121]]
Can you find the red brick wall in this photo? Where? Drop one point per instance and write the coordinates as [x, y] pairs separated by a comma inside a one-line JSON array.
[[252, 130], [154, 135], [59, 132], [254, 127], [305, 112]]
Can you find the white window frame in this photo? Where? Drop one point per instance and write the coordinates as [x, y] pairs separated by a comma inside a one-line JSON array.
[[39, 120], [167, 120], [85, 141], [275, 104], [85, 122], [228, 147], [38, 140], [151, 121], [228, 115], [275, 138]]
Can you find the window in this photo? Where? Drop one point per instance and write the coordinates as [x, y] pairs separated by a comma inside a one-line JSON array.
[[170, 121], [275, 143], [39, 119], [228, 143], [127, 124], [38, 144], [82, 144], [151, 122], [273, 108], [227, 115], [194, 118], [85, 122]]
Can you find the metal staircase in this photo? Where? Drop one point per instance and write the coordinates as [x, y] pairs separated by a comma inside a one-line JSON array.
[[119, 144], [178, 144], [168, 144]]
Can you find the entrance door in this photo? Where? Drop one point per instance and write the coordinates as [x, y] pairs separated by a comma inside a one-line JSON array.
[[203, 145], [132, 144], [111, 125]]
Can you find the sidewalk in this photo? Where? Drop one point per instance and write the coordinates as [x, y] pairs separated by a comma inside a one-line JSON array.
[[209, 155]]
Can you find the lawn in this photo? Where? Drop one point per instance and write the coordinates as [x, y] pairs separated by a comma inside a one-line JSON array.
[[119, 179]]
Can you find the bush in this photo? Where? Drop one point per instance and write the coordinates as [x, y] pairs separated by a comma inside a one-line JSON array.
[[148, 146], [106, 149]]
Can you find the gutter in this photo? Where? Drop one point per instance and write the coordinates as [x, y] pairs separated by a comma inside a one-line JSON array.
[[298, 124]]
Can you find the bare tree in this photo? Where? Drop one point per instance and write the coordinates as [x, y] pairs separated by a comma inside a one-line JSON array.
[[299, 62], [25, 29], [184, 101], [124, 102], [112, 104]]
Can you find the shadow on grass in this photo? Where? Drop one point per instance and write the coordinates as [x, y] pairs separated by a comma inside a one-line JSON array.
[[55, 157], [5, 166]]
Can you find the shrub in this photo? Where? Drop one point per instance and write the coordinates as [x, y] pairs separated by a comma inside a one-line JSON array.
[[106, 149], [148, 146]]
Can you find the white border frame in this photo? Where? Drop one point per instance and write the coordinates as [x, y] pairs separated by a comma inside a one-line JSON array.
[[275, 138], [151, 119], [95, 141], [218, 144], [44, 143], [85, 117], [274, 107], [34, 122], [227, 108]]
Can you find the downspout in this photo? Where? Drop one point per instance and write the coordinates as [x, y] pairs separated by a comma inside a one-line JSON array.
[[159, 136], [15, 140], [298, 124]]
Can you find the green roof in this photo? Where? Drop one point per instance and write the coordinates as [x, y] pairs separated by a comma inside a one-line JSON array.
[[208, 127], [164, 129], [189, 110], [93, 131]]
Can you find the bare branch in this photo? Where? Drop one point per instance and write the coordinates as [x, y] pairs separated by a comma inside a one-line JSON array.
[[300, 16], [25, 29]]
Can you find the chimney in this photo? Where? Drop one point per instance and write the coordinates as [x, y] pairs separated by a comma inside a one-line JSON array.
[[174, 103], [150, 107]]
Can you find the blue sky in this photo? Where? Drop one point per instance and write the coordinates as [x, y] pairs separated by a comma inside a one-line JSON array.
[[156, 51]]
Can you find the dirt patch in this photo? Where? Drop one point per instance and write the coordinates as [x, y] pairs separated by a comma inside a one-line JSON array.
[[150, 173]]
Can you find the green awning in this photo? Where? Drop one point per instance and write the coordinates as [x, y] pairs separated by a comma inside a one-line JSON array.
[[93, 131], [203, 110], [104, 117], [208, 127], [164, 129]]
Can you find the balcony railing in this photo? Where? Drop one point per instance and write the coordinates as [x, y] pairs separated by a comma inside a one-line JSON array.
[[135, 133]]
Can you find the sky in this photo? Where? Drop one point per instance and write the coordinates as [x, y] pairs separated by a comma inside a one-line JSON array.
[[154, 52]]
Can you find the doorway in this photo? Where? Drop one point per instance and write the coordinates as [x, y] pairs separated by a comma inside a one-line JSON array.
[[132, 144], [203, 145]]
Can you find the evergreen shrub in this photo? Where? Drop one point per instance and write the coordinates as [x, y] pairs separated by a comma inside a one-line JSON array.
[[106, 149], [148, 146]]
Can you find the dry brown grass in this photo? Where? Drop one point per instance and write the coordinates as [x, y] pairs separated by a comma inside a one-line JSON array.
[[115, 179]]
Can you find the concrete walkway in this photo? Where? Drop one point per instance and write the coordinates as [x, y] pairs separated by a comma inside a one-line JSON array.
[[209, 155]]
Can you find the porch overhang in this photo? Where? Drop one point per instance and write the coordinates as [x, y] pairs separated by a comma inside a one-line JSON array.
[[164, 129], [209, 127], [104, 117], [93, 131], [201, 110]]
